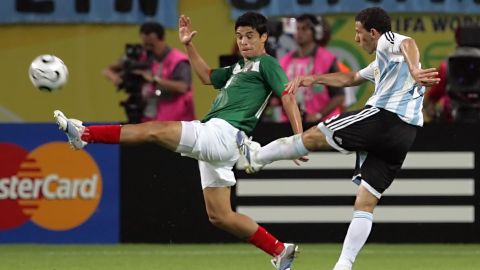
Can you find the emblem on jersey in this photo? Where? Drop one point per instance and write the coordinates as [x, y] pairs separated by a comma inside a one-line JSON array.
[[376, 73], [249, 66]]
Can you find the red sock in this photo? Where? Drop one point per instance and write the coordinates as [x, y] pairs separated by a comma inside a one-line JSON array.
[[266, 242], [102, 134]]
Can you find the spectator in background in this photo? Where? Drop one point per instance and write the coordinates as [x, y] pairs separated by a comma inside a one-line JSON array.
[[165, 86], [437, 104], [317, 102]]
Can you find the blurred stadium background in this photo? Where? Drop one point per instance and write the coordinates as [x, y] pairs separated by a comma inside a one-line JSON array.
[[430, 219]]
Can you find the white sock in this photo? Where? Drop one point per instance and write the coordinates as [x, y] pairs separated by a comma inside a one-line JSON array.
[[357, 235], [282, 149]]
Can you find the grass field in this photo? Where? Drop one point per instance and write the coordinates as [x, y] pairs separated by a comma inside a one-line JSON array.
[[231, 256]]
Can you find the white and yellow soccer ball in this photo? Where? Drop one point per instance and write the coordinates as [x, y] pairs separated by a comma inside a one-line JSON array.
[[48, 73]]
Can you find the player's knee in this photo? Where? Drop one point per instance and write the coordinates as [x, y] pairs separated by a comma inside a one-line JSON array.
[[365, 201], [313, 139], [154, 131], [364, 206], [217, 220]]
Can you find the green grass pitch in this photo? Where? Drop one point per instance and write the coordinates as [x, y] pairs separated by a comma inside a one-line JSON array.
[[232, 256]]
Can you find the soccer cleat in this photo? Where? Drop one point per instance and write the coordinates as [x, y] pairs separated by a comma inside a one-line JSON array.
[[285, 259], [248, 151], [72, 127]]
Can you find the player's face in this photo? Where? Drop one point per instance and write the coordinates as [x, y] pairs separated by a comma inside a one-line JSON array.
[[151, 43], [304, 33], [366, 39], [250, 43]]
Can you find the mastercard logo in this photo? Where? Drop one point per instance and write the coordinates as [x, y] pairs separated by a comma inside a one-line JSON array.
[[52, 186]]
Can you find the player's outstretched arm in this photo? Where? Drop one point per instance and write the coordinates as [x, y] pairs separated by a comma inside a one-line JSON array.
[[186, 35], [426, 77], [337, 79], [290, 107]]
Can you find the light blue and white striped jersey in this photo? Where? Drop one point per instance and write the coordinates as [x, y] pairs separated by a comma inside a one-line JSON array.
[[395, 89]]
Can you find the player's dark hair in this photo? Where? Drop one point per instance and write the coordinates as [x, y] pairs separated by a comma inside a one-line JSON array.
[[253, 19], [375, 18], [153, 27]]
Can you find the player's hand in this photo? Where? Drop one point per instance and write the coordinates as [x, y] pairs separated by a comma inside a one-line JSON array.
[[426, 77], [293, 85], [185, 32], [302, 159]]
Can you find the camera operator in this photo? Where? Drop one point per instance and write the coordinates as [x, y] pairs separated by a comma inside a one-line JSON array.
[[457, 97], [156, 77]]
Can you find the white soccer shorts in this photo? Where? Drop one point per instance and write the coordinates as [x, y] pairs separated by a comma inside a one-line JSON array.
[[214, 145]]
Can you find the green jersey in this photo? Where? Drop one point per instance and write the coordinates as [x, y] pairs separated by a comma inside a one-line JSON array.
[[245, 89]]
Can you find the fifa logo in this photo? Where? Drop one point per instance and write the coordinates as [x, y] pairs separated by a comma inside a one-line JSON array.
[[51, 186]]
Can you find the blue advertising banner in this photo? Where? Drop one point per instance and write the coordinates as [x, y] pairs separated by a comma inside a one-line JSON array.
[[297, 7], [89, 11], [50, 193]]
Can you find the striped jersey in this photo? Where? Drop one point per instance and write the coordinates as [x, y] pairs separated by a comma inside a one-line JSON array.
[[395, 89]]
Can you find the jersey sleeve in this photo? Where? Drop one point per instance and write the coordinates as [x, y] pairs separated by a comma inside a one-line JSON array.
[[390, 43], [274, 76], [367, 73], [220, 76], [397, 42]]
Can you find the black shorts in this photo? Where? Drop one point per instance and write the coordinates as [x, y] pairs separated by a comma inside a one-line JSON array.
[[380, 139]]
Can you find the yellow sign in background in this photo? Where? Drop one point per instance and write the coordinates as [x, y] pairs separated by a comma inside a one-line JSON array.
[[87, 49]]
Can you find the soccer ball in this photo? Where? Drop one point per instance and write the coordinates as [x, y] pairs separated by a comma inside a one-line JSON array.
[[48, 72]]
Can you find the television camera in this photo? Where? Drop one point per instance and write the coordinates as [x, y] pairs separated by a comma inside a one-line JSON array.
[[463, 76], [132, 83]]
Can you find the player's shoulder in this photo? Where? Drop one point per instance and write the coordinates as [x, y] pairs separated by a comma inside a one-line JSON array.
[[390, 38], [268, 60]]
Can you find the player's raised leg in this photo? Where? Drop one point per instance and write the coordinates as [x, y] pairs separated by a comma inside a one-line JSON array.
[[254, 157], [166, 134]]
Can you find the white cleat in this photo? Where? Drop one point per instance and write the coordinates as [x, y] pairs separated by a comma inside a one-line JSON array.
[[73, 128], [248, 152], [285, 259]]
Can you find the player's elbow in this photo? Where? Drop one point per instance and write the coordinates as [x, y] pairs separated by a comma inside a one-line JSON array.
[[353, 79]]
